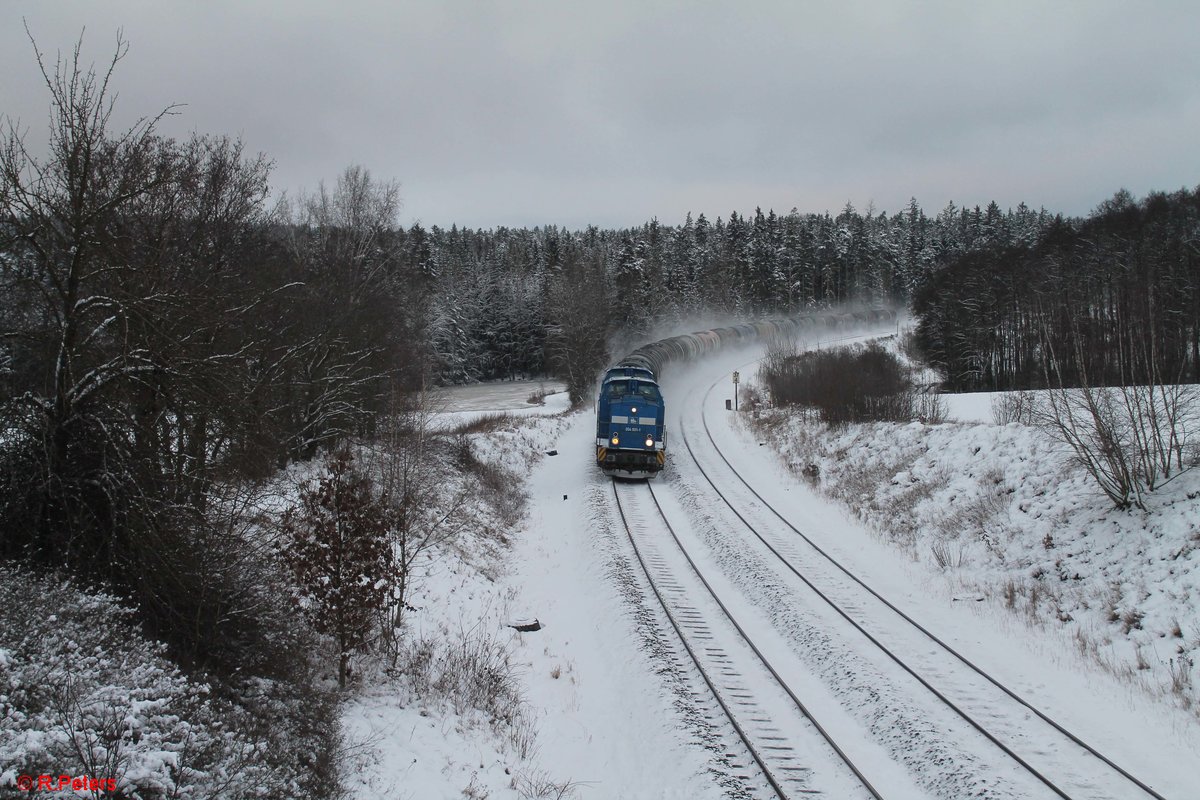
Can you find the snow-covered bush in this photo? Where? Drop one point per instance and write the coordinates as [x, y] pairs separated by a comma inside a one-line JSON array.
[[846, 384], [1130, 439], [83, 692], [469, 670], [338, 549], [1018, 407]]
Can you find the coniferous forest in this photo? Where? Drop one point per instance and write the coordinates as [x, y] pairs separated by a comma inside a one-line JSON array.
[[1110, 300]]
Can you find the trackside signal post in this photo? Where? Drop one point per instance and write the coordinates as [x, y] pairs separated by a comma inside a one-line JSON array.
[[735, 383]]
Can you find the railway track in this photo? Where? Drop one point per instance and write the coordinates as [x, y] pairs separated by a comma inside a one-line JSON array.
[[969, 691], [774, 726]]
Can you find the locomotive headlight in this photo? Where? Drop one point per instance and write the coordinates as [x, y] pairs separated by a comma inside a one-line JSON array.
[[649, 441], [616, 438], [633, 410]]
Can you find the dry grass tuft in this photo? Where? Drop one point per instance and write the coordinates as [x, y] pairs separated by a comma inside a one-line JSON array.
[[484, 423]]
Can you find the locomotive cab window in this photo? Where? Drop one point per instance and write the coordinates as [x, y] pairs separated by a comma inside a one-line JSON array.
[[634, 389], [650, 391], [618, 388]]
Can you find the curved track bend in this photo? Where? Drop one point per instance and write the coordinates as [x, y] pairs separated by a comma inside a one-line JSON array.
[[1079, 770]]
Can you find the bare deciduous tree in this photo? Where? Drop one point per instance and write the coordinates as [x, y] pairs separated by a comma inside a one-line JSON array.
[[1131, 437], [357, 330], [577, 339], [421, 516]]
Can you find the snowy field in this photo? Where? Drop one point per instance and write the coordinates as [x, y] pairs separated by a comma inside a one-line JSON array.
[[460, 405], [970, 407], [511, 397], [984, 533]]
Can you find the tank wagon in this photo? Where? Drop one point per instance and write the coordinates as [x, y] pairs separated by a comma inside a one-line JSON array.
[[631, 431]]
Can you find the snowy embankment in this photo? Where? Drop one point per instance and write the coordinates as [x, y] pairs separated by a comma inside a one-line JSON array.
[[449, 719], [480, 709], [1007, 516]]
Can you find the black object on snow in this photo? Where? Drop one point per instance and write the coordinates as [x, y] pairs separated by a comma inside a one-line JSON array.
[[527, 627]]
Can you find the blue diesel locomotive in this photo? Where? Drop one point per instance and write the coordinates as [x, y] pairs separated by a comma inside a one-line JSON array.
[[630, 423]]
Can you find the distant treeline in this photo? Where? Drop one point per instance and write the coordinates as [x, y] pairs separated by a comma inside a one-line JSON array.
[[498, 295], [1110, 300]]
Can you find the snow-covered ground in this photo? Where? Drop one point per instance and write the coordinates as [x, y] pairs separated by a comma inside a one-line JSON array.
[[1002, 511], [597, 720], [462, 405], [981, 532], [971, 407], [966, 601]]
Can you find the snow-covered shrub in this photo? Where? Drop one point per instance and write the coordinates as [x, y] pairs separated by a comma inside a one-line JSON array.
[[338, 550], [469, 669], [929, 407], [440, 490], [843, 385], [1130, 439], [1010, 407], [483, 423], [495, 484], [82, 692]]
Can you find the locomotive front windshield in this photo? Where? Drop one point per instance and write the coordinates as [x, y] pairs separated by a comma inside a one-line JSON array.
[[648, 391]]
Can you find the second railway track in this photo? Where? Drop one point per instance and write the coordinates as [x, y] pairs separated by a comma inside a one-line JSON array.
[[1089, 773]]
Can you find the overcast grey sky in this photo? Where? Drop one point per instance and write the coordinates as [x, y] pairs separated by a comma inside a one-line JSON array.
[[603, 112]]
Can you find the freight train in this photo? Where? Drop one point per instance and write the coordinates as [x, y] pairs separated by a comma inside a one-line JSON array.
[[631, 435]]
